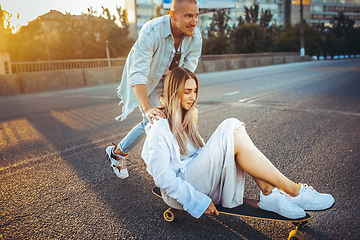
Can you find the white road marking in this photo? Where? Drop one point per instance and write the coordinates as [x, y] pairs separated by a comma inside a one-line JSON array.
[[232, 93]]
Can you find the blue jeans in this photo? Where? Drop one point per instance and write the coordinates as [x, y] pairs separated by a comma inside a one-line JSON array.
[[134, 136], [138, 132]]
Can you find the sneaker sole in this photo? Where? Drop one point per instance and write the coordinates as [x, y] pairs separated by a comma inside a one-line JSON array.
[[267, 208], [322, 209]]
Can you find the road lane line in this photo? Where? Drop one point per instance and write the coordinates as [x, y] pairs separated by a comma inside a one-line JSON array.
[[232, 93]]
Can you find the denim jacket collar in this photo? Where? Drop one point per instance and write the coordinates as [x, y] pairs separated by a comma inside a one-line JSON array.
[[167, 29]]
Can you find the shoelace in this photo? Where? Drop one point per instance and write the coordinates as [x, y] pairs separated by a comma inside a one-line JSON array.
[[310, 189], [283, 196], [121, 164]]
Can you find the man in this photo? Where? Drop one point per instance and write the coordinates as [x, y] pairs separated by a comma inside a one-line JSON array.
[[163, 43]]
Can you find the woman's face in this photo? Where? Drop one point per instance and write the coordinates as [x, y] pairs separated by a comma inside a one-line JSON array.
[[189, 95]]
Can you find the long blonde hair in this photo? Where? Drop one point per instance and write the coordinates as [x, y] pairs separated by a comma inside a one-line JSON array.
[[181, 121]]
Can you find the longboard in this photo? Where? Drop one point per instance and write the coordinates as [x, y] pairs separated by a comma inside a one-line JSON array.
[[248, 209]]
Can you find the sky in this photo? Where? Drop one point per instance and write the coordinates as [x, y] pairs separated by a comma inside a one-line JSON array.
[[30, 9]]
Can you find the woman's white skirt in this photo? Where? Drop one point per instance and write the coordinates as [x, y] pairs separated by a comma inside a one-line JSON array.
[[214, 170]]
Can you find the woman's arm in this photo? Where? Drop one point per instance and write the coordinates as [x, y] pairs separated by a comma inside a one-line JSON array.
[[163, 164]]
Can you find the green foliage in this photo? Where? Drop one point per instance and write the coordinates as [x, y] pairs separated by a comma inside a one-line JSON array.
[[341, 24], [289, 41], [352, 41], [265, 18], [250, 38], [252, 13], [343, 37], [216, 44], [219, 22], [247, 37], [253, 35], [332, 45], [26, 45], [217, 40], [71, 37]]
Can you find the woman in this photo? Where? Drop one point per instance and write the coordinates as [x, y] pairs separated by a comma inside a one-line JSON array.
[[195, 176]]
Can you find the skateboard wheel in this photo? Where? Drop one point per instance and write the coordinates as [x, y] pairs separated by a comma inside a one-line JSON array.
[[300, 225], [295, 235], [170, 214]]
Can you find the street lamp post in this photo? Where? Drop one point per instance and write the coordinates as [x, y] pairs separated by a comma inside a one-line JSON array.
[[302, 49], [46, 41], [107, 53]]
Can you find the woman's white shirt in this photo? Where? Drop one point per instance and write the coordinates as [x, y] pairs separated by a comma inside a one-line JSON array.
[[161, 153]]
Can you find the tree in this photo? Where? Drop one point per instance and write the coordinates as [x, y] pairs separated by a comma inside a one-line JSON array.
[[352, 41], [72, 37], [252, 13], [341, 24], [250, 38], [289, 41], [26, 44], [241, 21], [333, 45], [343, 37], [265, 18], [215, 45], [217, 36], [219, 22]]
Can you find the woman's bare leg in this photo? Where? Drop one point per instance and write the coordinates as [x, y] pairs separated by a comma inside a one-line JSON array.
[[252, 161]]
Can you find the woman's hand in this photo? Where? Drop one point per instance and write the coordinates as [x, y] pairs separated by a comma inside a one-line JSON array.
[[155, 113], [212, 209]]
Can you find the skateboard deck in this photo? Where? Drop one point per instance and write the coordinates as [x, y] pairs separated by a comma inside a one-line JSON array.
[[248, 209]]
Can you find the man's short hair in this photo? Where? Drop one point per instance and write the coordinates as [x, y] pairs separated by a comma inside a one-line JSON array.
[[175, 4]]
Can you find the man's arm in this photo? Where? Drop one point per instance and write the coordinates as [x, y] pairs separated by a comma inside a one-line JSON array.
[[192, 58], [140, 91]]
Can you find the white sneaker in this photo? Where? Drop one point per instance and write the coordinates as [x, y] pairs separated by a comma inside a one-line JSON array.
[[278, 201], [310, 199], [117, 162]]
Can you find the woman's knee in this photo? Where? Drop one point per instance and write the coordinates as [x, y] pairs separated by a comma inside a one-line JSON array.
[[241, 139]]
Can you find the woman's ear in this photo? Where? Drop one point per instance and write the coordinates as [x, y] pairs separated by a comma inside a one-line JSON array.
[[172, 13]]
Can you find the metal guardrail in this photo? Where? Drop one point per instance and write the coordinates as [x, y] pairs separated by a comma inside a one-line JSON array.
[[42, 66]]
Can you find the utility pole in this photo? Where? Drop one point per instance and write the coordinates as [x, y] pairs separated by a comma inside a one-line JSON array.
[[107, 53], [302, 49], [46, 41]]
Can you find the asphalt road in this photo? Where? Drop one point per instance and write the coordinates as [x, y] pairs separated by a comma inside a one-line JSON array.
[[56, 184]]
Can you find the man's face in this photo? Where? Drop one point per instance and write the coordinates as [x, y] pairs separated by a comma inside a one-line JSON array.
[[186, 17]]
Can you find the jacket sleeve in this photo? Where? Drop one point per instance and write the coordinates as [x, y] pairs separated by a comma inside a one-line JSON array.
[[141, 59], [158, 165], [192, 58]]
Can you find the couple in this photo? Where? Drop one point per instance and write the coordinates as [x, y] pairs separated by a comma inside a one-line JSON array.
[[195, 176]]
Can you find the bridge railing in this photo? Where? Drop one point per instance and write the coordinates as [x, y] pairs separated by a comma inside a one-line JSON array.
[[42, 66]]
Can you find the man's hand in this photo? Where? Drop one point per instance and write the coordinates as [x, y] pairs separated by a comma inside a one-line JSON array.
[[155, 113], [212, 209]]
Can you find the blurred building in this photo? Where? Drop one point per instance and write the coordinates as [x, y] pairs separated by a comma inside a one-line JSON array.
[[141, 11], [276, 8], [283, 11], [295, 11], [323, 11]]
